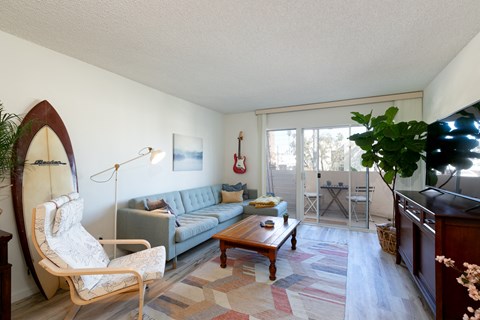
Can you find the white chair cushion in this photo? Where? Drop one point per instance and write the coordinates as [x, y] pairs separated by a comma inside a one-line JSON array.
[[79, 249], [59, 201], [149, 263], [67, 215], [73, 249]]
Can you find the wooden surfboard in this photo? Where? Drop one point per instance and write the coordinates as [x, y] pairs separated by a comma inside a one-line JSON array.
[[46, 169]]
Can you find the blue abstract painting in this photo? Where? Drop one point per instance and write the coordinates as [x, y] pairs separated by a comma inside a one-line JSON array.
[[187, 153]]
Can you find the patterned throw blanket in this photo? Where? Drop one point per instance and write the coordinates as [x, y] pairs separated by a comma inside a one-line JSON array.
[[265, 202]]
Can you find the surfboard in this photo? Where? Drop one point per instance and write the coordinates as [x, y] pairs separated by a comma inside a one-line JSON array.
[[46, 169]]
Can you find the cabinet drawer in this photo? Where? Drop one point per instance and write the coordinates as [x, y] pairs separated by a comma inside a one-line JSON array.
[[413, 211], [429, 221]]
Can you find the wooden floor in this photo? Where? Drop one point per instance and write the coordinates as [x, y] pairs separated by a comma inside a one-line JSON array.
[[377, 288], [335, 218]]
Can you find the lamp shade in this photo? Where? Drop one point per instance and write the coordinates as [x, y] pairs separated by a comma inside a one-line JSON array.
[[156, 156]]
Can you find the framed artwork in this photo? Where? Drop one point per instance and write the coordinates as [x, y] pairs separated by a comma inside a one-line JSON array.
[[187, 153]]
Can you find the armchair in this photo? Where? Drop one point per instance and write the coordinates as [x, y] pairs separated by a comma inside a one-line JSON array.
[[69, 251]]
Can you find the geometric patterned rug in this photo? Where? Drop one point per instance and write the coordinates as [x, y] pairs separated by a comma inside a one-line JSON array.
[[310, 284]]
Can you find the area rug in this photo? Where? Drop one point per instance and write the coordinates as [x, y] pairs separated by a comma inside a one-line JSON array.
[[310, 284]]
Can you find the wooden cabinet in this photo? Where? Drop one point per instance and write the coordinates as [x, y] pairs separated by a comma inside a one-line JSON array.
[[431, 224], [5, 277]]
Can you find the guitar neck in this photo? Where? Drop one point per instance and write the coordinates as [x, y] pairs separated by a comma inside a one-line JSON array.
[[239, 147]]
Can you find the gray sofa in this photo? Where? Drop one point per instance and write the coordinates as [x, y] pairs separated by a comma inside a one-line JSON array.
[[199, 212]]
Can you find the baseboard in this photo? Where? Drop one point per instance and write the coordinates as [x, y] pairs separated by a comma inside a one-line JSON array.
[[22, 294]]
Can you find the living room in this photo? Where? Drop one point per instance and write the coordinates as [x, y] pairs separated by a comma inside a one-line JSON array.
[[110, 117]]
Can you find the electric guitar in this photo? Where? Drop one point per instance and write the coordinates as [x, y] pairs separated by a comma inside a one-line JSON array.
[[239, 166]]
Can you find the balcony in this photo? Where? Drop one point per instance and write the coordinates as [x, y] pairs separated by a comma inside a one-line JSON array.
[[283, 184]]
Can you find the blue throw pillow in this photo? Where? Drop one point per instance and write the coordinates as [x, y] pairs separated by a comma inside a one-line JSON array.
[[232, 187]]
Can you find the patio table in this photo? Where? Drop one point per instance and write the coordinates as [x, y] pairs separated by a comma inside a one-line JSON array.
[[335, 191]]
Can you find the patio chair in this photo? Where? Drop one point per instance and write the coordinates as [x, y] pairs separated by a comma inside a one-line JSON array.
[[69, 251], [360, 196], [310, 201]]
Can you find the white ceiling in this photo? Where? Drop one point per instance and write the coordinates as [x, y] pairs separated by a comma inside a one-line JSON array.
[[241, 55]]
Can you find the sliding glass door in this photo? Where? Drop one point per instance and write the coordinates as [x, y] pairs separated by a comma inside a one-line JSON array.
[[326, 163], [331, 186], [345, 188]]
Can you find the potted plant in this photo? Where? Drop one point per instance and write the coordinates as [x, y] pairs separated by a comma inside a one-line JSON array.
[[393, 148], [10, 132]]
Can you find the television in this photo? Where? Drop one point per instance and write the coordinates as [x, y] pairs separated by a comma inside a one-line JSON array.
[[453, 153]]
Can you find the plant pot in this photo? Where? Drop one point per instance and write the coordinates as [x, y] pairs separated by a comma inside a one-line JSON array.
[[387, 237]]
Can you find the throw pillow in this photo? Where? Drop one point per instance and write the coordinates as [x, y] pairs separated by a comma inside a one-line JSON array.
[[232, 196], [67, 215], [162, 207], [237, 187], [154, 204], [246, 196], [232, 187]]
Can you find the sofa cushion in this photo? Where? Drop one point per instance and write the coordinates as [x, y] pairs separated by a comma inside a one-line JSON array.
[[222, 211], [192, 225], [197, 198]]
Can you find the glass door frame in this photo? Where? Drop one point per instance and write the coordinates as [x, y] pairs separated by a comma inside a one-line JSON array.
[[268, 173], [301, 180]]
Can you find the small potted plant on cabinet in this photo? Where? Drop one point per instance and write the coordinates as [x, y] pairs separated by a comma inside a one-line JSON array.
[[394, 149]]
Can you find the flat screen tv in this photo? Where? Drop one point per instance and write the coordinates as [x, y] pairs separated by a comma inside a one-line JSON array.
[[453, 153]]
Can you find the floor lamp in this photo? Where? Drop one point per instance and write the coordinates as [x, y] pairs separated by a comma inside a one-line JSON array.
[[155, 157]]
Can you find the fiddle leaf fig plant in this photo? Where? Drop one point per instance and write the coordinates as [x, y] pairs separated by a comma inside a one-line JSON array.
[[393, 148]]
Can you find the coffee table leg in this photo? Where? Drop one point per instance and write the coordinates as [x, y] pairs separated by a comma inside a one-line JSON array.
[[273, 268], [223, 255], [294, 239]]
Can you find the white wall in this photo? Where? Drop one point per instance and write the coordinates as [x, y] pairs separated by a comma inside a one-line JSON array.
[[246, 122], [109, 119], [456, 87]]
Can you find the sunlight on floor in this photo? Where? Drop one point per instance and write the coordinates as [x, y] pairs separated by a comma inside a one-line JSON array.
[[335, 218]]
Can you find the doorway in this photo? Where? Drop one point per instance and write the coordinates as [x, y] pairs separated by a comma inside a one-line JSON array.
[[335, 184], [326, 175], [318, 171]]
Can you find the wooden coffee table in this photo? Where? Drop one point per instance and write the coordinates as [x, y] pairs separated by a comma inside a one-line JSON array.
[[248, 234]]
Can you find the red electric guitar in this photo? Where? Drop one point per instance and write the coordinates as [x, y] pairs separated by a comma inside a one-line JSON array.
[[239, 166]]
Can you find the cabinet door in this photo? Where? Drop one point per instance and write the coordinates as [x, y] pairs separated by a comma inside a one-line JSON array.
[[426, 266], [405, 246], [460, 243]]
